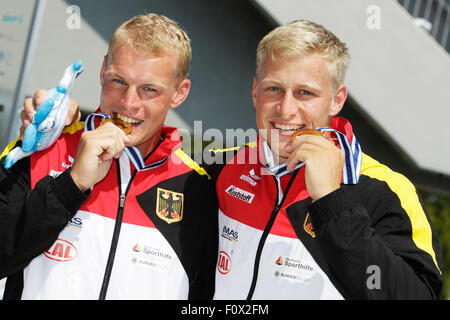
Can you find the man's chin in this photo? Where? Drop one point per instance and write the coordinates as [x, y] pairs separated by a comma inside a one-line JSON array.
[[282, 157], [278, 151]]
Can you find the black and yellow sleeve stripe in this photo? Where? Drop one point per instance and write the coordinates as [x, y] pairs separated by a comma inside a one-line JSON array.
[[422, 234]]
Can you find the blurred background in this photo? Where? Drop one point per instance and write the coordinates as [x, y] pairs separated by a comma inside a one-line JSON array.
[[398, 79]]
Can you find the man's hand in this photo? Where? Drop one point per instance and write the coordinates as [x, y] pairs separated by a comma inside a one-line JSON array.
[[30, 105], [323, 163], [95, 154]]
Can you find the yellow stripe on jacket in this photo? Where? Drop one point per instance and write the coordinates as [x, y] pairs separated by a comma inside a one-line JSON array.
[[409, 200], [191, 163], [9, 147]]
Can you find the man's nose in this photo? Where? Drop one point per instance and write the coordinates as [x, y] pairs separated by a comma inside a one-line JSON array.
[[288, 106], [130, 98]]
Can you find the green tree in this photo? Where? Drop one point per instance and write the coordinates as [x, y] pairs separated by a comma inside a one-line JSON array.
[[438, 207]]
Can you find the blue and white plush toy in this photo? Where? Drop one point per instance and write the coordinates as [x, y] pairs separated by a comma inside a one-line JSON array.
[[49, 119]]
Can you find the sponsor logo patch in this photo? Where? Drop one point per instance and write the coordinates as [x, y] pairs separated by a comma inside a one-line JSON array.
[[169, 205], [250, 178], [150, 256], [137, 248], [75, 223], [54, 173], [294, 264], [224, 263], [230, 234], [240, 194], [67, 166], [279, 261], [75, 226], [61, 250], [294, 270]]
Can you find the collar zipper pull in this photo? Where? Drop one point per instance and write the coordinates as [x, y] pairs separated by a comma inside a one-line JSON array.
[[122, 201]]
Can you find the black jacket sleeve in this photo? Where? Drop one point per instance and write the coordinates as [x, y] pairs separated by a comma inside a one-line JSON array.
[[370, 248], [204, 286], [31, 219]]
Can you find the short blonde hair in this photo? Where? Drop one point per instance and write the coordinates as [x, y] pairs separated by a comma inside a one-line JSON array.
[[302, 37], [156, 34]]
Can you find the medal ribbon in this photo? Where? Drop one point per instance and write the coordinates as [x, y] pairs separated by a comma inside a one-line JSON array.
[[352, 164], [133, 153]]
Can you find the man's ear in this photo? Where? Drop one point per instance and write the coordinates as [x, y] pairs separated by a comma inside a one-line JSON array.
[[255, 84], [102, 72], [181, 93], [338, 100]]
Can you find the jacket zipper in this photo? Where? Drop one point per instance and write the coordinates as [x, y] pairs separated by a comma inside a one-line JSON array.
[[116, 233], [118, 225], [266, 231]]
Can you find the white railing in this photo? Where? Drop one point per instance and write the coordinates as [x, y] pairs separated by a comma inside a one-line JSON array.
[[433, 16]]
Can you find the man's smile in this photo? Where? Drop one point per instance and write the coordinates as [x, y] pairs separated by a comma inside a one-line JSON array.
[[126, 119], [286, 127]]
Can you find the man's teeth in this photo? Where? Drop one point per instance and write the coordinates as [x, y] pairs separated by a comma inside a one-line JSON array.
[[287, 127], [126, 119]]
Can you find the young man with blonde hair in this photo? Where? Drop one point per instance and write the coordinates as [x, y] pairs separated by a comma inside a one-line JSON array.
[[320, 220], [106, 215]]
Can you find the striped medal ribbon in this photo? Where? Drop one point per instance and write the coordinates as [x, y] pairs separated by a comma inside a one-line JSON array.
[[352, 164], [133, 153]]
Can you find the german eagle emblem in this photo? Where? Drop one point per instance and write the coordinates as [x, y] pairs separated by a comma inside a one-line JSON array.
[[169, 205]]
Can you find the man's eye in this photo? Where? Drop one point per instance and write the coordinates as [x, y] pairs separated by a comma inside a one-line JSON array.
[[149, 89], [305, 92], [119, 81], [272, 90], [148, 93]]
